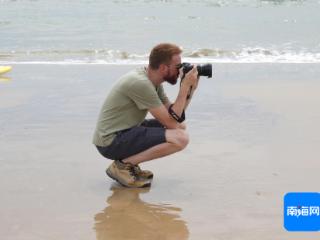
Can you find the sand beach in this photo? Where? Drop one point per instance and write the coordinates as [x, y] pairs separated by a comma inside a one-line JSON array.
[[254, 137]]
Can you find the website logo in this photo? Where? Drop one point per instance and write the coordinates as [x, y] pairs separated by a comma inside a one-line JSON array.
[[302, 211]]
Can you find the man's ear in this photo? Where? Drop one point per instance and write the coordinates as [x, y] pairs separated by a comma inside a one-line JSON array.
[[162, 68]]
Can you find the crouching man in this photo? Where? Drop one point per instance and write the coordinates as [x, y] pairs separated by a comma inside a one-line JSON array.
[[124, 135]]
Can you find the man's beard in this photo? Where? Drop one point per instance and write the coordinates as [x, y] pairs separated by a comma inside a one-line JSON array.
[[171, 79]]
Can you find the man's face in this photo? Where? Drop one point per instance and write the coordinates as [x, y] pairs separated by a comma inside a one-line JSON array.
[[173, 67]]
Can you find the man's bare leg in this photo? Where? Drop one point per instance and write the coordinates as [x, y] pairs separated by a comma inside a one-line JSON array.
[[177, 139]]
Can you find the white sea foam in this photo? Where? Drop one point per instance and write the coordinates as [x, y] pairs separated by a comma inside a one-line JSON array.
[[116, 57]]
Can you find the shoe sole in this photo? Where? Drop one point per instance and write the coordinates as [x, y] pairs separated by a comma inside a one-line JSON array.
[[143, 186]]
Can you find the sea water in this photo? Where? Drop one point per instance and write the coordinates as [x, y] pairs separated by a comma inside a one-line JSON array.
[[123, 32]]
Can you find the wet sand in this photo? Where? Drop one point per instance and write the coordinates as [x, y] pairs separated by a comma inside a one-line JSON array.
[[254, 132]]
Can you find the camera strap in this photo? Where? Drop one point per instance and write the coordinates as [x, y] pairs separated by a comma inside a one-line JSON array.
[[189, 93], [176, 116]]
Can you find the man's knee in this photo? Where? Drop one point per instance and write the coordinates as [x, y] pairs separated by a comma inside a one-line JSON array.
[[183, 138], [178, 137]]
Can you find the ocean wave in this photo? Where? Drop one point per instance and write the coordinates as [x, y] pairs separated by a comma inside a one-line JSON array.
[[104, 56], [256, 55]]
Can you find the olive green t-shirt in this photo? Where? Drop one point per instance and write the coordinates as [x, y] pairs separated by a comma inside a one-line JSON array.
[[127, 105]]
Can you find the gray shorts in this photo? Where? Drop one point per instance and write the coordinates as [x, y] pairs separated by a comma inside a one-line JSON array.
[[134, 140]]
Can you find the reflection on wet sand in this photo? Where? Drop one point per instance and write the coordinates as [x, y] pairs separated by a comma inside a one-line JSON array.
[[128, 217]]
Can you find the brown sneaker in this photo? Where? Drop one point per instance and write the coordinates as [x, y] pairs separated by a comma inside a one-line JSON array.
[[142, 174], [124, 174]]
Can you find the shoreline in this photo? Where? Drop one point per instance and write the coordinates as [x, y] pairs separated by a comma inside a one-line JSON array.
[[195, 61]]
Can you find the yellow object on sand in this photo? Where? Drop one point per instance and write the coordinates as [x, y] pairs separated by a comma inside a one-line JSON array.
[[4, 69], [4, 79]]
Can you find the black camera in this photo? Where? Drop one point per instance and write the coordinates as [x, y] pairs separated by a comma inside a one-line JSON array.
[[203, 70]]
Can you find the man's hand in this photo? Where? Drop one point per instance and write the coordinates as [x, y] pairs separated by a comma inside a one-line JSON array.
[[191, 79]]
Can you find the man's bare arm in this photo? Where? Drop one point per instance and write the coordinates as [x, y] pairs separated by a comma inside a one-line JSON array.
[[162, 115]]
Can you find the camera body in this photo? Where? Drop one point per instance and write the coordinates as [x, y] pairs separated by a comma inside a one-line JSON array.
[[203, 70]]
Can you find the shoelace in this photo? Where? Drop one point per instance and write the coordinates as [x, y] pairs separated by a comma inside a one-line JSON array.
[[137, 169], [132, 171]]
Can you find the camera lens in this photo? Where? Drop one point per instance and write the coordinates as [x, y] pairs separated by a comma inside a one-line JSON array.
[[205, 70]]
